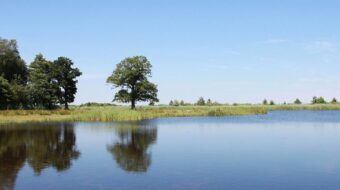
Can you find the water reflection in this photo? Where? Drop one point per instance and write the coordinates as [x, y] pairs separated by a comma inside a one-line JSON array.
[[131, 149], [41, 146]]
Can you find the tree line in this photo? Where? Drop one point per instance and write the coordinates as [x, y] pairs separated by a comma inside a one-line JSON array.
[[315, 100], [43, 84]]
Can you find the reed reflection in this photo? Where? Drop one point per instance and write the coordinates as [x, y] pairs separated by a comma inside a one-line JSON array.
[[40, 146], [131, 149]]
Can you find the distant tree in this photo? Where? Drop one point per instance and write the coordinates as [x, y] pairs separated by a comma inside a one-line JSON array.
[[284, 102], [171, 103], [181, 103], [12, 67], [209, 102], [265, 102], [176, 103], [131, 76], [334, 101], [200, 102], [318, 100], [271, 102], [43, 86], [297, 101], [215, 103], [65, 76]]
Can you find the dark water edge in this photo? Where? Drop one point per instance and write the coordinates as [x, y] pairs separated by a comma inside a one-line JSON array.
[[280, 150]]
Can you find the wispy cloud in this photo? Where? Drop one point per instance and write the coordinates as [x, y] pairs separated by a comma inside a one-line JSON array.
[[322, 47]]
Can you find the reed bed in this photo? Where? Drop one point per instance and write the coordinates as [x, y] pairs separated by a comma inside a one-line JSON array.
[[120, 113]]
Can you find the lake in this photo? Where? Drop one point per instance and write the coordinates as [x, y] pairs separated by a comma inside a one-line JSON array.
[[281, 150]]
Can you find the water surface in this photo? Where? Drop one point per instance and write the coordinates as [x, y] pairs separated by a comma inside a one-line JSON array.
[[281, 150]]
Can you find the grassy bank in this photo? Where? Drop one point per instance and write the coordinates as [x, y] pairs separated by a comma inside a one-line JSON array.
[[118, 113]]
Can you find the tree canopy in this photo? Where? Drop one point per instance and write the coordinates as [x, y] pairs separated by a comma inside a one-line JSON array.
[[200, 101], [131, 77], [297, 101], [318, 100], [12, 67], [65, 76], [44, 84]]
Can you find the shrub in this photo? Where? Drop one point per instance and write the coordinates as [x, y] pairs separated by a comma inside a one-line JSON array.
[[297, 101], [318, 100]]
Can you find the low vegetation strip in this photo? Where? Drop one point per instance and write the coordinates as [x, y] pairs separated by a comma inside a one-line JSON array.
[[120, 113]]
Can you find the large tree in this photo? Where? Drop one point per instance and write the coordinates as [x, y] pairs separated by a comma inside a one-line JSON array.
[[13, 73], [131, 76], [43, 85], [6, 94], [65, 76], [12, 67]]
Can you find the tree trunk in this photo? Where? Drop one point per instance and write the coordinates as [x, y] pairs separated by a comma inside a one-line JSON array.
[[66, 106], [133, 104]]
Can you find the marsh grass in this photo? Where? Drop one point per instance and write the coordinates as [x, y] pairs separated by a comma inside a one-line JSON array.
[[120, 113]]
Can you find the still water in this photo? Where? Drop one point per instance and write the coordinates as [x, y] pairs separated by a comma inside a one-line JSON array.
[[281, 150]]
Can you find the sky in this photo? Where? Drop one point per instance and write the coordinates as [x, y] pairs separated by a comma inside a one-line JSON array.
[[229, 51]]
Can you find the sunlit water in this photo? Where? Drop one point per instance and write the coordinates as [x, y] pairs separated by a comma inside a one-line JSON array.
[[281, 150]]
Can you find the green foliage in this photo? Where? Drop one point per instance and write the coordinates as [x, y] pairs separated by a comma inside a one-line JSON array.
[[271, 102], [95, 104], [21, 96], [6, 94], [176, 103], [181, 103], [297, 101], [200, 101], [43, 86], [12, 67], [318, 100], [131, 76], [265, 102], [334, 101], [171, 103], [13, 73], [209, 102], [152, 103], [65, 77]]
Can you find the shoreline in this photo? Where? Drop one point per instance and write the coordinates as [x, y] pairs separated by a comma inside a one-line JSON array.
[[122, 113]]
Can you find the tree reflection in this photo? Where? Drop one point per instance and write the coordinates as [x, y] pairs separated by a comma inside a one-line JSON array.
[[130, 151], [40, 146]]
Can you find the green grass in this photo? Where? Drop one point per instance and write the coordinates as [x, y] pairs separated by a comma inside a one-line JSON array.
[[120, 113]]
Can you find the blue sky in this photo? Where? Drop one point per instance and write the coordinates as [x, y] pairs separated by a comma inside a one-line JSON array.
[[229, 51]]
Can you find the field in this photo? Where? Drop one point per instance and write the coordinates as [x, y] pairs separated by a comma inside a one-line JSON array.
[[121, 113]]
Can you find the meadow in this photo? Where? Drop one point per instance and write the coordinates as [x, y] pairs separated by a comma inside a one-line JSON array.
[[122, 113]]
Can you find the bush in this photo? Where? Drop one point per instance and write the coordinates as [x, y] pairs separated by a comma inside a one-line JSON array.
[[265, 102], [334, 101], [318, 100], [200, 102], [297, 101]]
